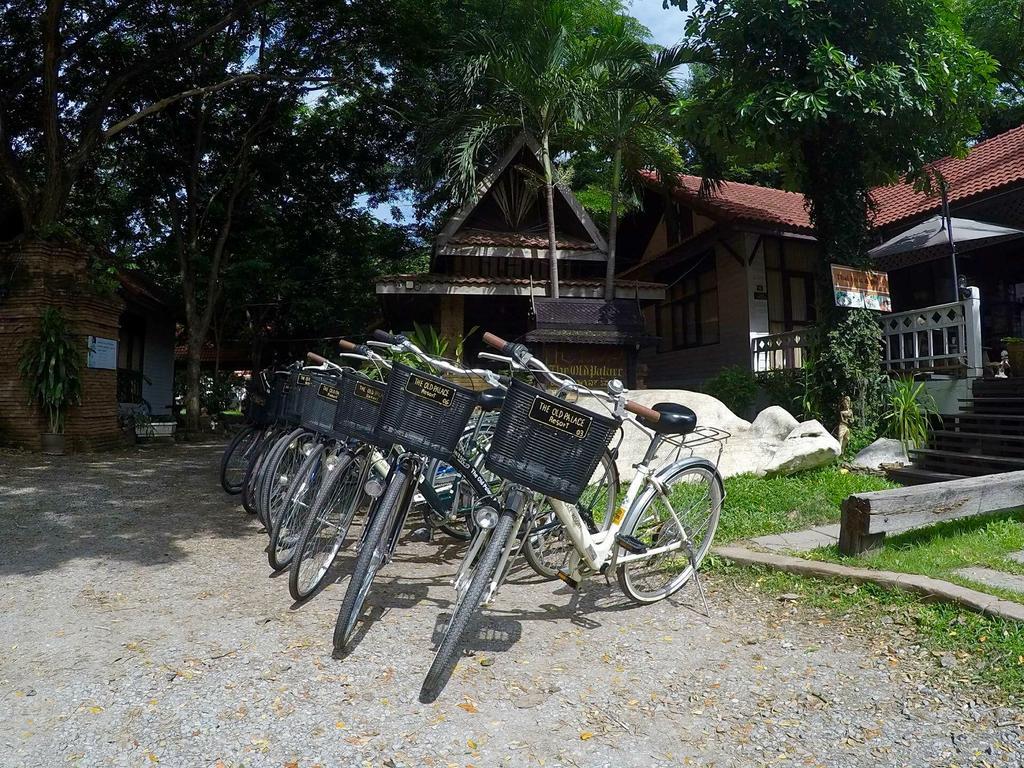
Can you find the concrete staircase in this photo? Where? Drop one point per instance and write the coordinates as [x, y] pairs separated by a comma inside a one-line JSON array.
[[984, 438]]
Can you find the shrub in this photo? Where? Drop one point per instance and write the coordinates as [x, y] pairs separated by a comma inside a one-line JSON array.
[[734, 386], [49, 366], [784, 388], [909, 409]]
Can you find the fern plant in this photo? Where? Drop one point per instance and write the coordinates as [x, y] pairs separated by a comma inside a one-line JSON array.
[[50, 367], [909, 411]]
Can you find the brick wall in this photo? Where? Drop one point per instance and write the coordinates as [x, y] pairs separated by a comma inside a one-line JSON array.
[[43, 275]]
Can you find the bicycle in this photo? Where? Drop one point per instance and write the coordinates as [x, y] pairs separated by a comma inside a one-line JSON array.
[[543, 444], [260, 404], [444, 495], [427, 415]]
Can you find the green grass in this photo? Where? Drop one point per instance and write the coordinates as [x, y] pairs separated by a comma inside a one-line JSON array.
[[758, 506], [939, 550], [986, 649]]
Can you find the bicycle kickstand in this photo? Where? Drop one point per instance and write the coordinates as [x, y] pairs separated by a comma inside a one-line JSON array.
[[696, 579]]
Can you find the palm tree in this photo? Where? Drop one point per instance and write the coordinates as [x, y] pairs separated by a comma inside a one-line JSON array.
[[631, 117], [537, 75]]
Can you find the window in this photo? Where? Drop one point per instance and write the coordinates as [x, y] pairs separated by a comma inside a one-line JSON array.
[[689, 316], [789, 269]]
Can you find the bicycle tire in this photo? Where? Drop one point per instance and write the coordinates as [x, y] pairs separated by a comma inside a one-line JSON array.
[[370, 559], [646, 499], [292, 516], [242, 444], [287, 455], [253, 473], [301, 588], [465, 608]]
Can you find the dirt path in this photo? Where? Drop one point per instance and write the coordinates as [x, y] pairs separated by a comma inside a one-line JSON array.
[[139, 623]]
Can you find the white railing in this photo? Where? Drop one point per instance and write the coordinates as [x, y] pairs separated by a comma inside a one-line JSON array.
[[779, 351], [943, 339]]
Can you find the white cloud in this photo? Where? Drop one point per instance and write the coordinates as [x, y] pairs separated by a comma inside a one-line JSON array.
[[666, 24]]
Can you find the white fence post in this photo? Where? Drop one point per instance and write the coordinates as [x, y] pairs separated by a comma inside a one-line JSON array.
[[972, 323]]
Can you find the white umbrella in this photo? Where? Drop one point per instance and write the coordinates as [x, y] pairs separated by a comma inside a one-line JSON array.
[[932, 233]]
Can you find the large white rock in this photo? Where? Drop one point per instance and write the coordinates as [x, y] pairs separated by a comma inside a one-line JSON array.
[[752, 447], [884, 451], [808, 446]]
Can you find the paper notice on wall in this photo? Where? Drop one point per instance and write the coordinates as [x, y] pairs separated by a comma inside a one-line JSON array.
[[102, 353], [861, 288]]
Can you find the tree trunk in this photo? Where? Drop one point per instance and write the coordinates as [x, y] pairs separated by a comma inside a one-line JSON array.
[[549, 188], [192, 403], [613, 225]]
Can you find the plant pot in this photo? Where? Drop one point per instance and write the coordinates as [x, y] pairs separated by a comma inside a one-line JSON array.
[[163, 429], [53, 444]]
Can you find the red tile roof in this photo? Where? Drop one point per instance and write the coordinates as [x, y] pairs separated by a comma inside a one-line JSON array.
[[744, 203], [992, 164], [483, 237]]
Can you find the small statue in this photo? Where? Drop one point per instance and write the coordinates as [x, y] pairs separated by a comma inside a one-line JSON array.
[[1004, 369], [845, 416]]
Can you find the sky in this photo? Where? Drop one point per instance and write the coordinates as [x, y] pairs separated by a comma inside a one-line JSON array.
[[666, 26]]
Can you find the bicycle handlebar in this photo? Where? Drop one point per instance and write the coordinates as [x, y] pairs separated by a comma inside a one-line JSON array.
[[313, 357], [649, 414], [387, 338]]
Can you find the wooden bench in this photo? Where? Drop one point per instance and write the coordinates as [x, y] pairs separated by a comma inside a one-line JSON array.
[[868, 517]]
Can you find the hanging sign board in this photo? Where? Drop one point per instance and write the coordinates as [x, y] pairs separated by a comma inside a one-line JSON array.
[[102, 353], [861, 288]]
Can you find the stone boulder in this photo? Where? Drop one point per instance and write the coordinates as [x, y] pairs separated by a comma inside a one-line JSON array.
[[775, 440], [808, 446], [884, 451]]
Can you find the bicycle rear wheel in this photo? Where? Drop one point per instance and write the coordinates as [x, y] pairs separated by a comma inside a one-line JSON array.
[[237, 455], [692, 499], [339, 500], [389, 513], [254, 473], [295, 508], [466, 604]]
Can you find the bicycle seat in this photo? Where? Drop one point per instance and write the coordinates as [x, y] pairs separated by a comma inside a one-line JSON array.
[[675, 419], [491, 399]]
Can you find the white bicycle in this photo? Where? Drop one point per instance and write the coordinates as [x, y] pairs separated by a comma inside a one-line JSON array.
[[544, 446]]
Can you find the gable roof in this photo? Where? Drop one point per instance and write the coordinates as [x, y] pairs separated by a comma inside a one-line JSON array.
[[991, 165], [734, 202], [454, 234]]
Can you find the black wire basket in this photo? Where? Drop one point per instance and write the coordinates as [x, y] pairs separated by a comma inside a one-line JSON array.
[[424, 413], [359, 407], [547, 444], [278, 397], [320, 404], [295, 396], [256, 408]]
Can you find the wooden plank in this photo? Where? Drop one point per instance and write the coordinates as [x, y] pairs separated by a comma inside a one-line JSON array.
[[868, 517]]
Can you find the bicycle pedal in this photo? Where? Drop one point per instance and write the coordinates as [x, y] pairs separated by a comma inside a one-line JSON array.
[[631, 544], [574, 583]]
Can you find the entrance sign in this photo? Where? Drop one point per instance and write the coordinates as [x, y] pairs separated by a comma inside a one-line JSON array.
[[102, 353], [861, 288]]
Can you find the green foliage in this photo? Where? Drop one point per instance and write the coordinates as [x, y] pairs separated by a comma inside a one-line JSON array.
[[846, 362], [759, 506], [908, 413], [736, 387], [49, 366], [784, 388]]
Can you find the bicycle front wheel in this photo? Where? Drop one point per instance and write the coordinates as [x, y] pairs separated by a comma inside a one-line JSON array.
[[467, 603], [340, 497], [295, 509], [236, 459], [677, 525], [372, 554]]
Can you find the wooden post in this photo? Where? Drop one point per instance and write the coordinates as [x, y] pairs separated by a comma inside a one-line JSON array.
[[452, 325]]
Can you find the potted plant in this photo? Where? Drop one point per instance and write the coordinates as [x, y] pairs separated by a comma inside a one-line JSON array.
[[49, 366]]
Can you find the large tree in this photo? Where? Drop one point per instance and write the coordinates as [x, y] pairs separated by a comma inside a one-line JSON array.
[[849, 95], [73, 77]]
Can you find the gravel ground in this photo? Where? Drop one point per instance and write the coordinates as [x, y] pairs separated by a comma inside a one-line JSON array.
[[139, 624]]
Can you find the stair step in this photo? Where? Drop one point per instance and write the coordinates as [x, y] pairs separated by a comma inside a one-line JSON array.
[[966, 460], [985, 437], [986, 400], [985, 416], [911, 475]]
